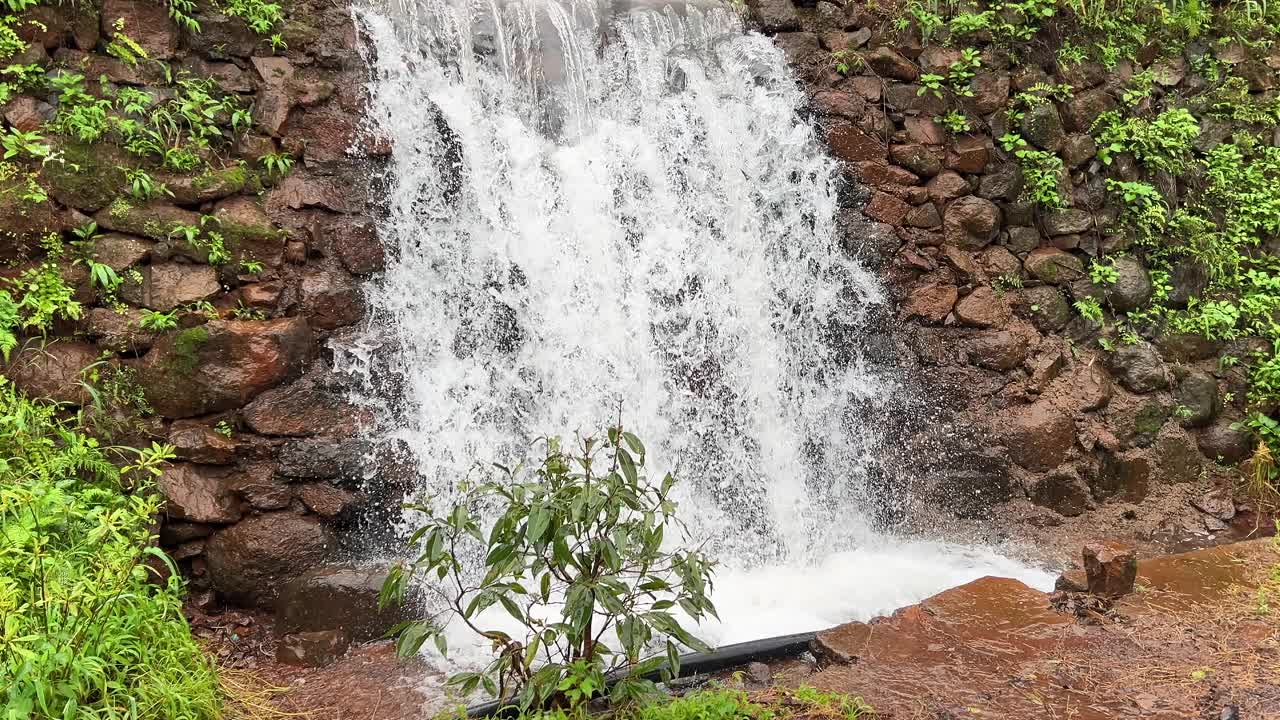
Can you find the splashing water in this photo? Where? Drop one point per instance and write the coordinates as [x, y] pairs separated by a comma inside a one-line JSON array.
[[593, 203]]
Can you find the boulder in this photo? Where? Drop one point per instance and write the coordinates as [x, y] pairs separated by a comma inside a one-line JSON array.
[[199, 493], [223, 364], [971, 222], [1003, 182], [1177, 458], [775, 16], [931, 303], [119, 331], [121, 251], [1054, 266], [1062, 492], [52, 371], [1081, 110], [1038, 436], [250, 561], [990, 91], [1078, 149], [1042, 126], [145, 23], [1217, 503], [1110, 568], [886, 208], [339, 597], [312, 649], [1045, 307], [1224, 442], [28, 114], [887, 62], [248, 231], [325, 500], [1132, 288], [302, 409], [947, 186], [919, 159], [1140, 368], [982, 308], [967, 154], [157, 220], [165, 286], [850, 144], [1197, 399], [325, 458], [1001, 350], [331, 298], [199, 443], [1124, 475], [354, 241], [1067, 222]]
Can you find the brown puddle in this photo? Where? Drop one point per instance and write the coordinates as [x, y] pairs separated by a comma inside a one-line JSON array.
[[1187, 645]]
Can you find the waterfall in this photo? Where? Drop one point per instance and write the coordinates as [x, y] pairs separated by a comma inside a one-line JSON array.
[[595, 205]]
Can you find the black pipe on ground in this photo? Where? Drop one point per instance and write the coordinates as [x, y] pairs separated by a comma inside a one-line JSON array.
[[690, 664]]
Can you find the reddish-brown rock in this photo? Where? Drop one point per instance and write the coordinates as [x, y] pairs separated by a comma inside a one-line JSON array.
[[146, 23], [886, 208], [947, 186], [312, 649], [1110, 568], [331, 298], [302, 409], [1038, 436], [982, 308], [971, 222], [168, 285], [931, 303], [887, 62], [1055, 266], [199, 493], [249, 561], [52, 371], [223, 364], [199, 443], [324, 499]]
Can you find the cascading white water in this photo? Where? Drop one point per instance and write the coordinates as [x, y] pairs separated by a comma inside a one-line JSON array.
[[593, 203]]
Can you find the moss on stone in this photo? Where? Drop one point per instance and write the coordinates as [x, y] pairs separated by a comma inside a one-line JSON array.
[[227, 181], [86, 177], [186, 349]]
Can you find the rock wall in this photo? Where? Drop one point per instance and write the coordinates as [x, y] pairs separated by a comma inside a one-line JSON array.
[[1018, 397], [240, 384]]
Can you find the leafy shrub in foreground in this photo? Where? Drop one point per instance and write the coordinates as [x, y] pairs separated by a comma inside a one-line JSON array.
[[576, 557], [85, 633]]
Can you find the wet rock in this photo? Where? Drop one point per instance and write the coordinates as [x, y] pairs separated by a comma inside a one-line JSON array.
[[990, 91], [1140, 368], [1225, 443], [1178, 459], [931, 303], [303, 189], [312, 649], [924, 216], [1217, 503], [1074, 581], [199, 443], [156, 220], [1000, 350], [967, 154], [210, 185], [1197, 399], [886, 208], [1132, 288], [302, 409], [1045, 307], [775, 16], [248, 562], [1067, 222], [322, 458], [165, 286], [223, 364], [759, 675], [1038, 436], [971, 222], [1061, 491], [28, 114], [1042, 126], [1110, 568], [325, 500], [982, 308], [1125, 475], [1078, 149], [853, 145], [118, 330], [1054, 266], [339, 597], [145, 23], [52, 371], [121, 251], [1022, 239], [248, 231], [1081, 110], [331, 298], [354, 240], [1186, 347], [199, 493], [1004, 182], [887, 62], [947, 186], [1189, 279]]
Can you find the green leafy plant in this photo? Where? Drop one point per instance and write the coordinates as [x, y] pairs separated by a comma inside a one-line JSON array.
[[955, 122], [278, 164], [142, 186], [19, 144], [1042, 171], [1089, 309], [90, 630], [1103, 274], [578, 550], [158, 321]]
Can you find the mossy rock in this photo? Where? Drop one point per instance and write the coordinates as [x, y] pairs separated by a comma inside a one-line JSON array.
[[155, 220], [25, 218], [87, 177], [210, 185]]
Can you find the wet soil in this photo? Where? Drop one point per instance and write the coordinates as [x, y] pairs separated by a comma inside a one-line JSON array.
[[1193, 642]]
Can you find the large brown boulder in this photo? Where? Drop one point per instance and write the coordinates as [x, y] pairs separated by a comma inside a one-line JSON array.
[[250, 562], [52, 371], [199, 493], [1038, 436], [1110, 568], [165, 286], [971, 222], [304, 408], [338, 597], [144, 22], [223, 364]]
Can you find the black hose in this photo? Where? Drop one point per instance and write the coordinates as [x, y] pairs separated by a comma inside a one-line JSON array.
[[719, 659]]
